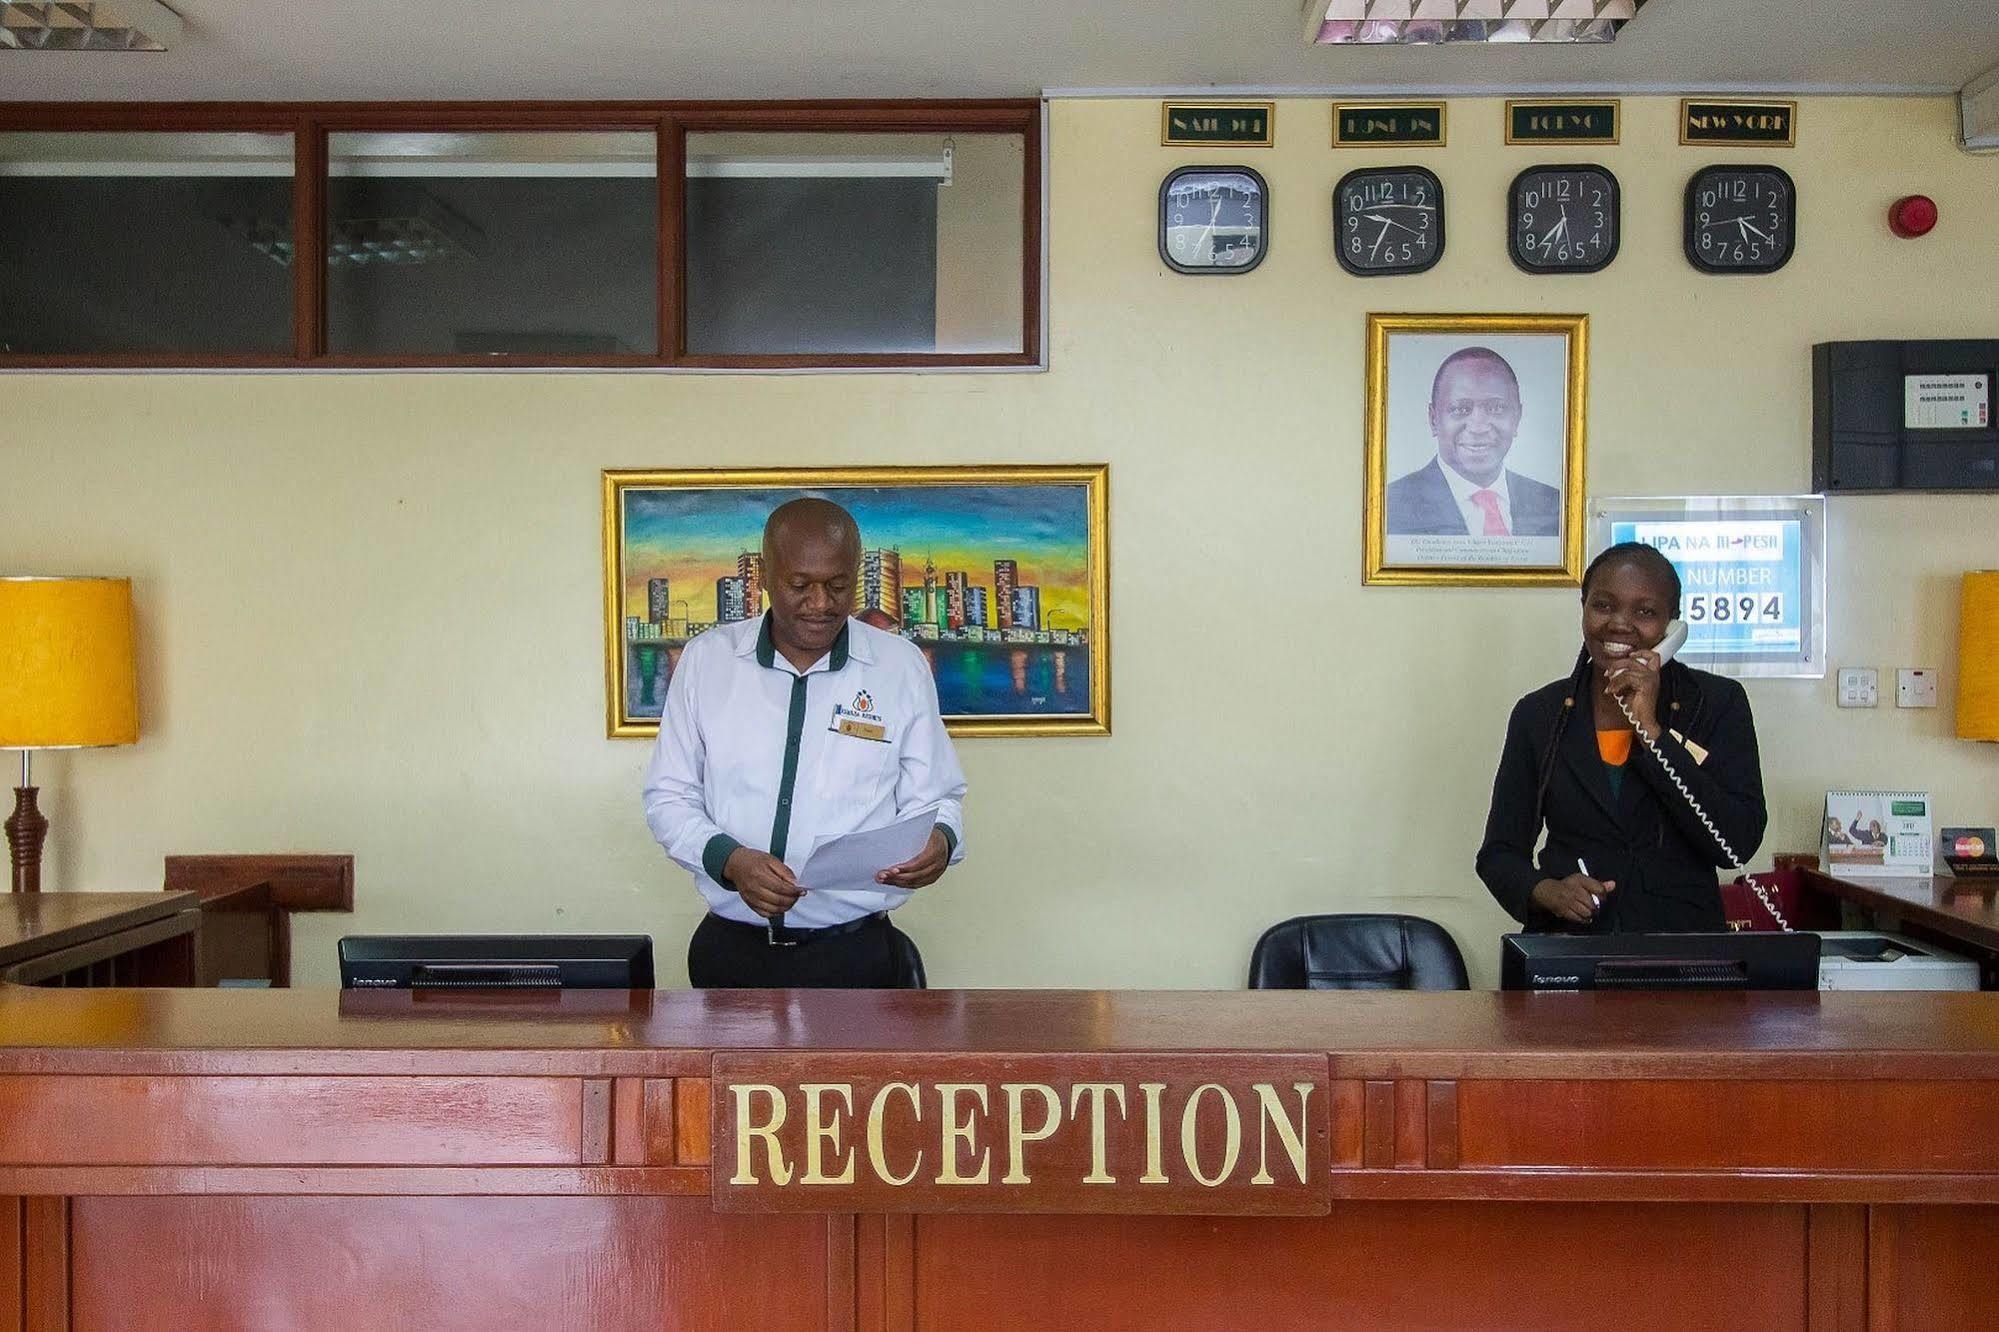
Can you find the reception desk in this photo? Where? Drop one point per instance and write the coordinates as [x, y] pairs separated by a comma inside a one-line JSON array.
[[1029, 1159]]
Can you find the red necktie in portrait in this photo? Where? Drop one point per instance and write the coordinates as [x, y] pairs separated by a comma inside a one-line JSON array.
[[1495, 522]]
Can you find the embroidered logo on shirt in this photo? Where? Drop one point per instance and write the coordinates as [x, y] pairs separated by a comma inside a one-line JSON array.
[[863, 702]]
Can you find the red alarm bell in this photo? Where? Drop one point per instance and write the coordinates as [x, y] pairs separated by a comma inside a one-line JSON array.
[[1912, 215]]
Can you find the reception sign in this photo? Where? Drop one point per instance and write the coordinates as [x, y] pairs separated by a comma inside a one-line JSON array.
[[1210, 1134]]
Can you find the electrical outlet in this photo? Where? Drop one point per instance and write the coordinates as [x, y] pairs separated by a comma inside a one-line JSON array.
[[1859, 687], [1916, 687]]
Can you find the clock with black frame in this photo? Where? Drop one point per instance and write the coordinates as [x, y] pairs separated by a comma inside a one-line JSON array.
[[1563, 219], [1213, 219], [1388, 221], [1741, 219]]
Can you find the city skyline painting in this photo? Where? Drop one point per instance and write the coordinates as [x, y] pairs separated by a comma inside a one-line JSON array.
[[996, 574]]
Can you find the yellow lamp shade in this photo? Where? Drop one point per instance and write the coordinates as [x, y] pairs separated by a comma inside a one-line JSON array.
[[1978, 656], [66, 663]]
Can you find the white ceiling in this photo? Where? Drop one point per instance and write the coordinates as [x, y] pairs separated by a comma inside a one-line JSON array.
[[702, 49]]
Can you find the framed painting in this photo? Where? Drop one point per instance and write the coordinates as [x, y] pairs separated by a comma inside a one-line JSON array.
[[1475, 447], [999, 575]]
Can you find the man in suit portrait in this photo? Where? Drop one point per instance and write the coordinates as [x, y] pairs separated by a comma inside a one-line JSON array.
[[1466, 490]]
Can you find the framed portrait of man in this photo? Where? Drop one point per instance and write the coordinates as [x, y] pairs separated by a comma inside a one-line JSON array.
[[1475, 445]]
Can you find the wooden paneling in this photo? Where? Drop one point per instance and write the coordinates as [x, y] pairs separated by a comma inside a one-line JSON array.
[[47, 1264], [602, 1264], [687, 1120], [1849, 1126], [1836, 1269], [50, 1121], [1443, 1125], [13, 1263], [1370, 1265], [496, 1164], [1932, 1267]]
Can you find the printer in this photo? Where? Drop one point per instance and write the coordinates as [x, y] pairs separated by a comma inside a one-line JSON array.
[[1871, 960]]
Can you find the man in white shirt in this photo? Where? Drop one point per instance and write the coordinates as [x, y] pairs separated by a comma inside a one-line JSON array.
[[782, 731], [1466, 489]]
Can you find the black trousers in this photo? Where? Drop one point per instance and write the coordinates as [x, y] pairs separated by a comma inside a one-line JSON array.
[[725, 954]]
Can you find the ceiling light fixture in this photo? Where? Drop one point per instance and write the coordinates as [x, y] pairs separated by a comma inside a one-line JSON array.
[[1435, 22], [88, 25]]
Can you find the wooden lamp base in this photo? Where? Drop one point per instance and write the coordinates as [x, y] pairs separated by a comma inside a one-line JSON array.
[[26, 830]]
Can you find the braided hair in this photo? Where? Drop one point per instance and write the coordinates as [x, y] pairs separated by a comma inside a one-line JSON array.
[[1675, 680]]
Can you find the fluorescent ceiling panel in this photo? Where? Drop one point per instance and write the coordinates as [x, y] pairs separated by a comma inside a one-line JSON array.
[[88, 25], [1431, 22]]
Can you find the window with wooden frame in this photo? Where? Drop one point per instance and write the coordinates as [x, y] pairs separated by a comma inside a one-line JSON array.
[[619, 235]]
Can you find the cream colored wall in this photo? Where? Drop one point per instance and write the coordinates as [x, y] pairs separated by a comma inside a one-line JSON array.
[[370, 604]]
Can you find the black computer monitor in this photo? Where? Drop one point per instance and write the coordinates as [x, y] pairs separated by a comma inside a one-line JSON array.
[[1742, 960], [496, 962]]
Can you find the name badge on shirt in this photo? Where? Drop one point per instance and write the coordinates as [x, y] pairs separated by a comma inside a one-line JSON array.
[[860, 720], [1700, 755]]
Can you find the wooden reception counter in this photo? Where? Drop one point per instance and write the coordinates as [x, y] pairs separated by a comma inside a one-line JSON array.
[[310, 1159]]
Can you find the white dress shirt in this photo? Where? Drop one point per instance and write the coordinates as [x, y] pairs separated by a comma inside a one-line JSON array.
[[748, 756], [1462, 491]]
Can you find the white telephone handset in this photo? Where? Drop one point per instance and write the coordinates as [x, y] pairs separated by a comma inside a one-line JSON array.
[[1675, 638]]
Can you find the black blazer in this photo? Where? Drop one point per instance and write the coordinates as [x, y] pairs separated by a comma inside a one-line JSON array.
[[1421, 504], [1647, 839]]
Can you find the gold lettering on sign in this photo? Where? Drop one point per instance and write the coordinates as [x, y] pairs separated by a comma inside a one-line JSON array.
[[1150, 1091], [819, 1133], [1292, 1136], [956, 1133], [1190, 1137], [831, 1139], [780, 1173], [877, 1150], [1099, 1156], [1017, 1135]]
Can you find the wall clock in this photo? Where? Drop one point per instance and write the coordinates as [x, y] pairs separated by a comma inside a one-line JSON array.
[[1741, 219], [1213, 220], [1563, 219], [1388, 220]]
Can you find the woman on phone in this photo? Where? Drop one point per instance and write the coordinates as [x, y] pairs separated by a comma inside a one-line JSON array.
[[1586, 760]]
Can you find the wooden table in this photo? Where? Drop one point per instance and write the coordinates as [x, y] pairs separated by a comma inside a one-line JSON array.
[[99, 938], [1958, 914], [612, 1160]]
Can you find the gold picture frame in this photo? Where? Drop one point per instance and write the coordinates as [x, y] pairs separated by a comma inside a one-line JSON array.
[[673, 531], [1427, 540]]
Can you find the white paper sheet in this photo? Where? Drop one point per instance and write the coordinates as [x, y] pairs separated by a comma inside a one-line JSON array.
[[849, 864]]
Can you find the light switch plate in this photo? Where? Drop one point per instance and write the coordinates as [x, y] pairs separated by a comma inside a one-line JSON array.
[[1916, 687], [1858, 687]]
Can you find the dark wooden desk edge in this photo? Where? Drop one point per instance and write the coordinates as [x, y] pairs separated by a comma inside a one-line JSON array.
[[292, 882], [1475, 1034], [116, 912], [1880, 897]]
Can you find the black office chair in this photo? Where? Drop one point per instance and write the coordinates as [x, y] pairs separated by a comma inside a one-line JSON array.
[[908, 963], [1357, 952]]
